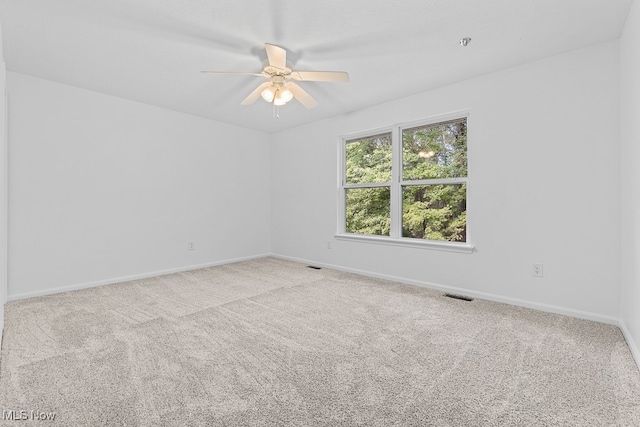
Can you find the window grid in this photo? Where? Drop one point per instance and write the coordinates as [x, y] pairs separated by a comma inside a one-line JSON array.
[[397, 184]]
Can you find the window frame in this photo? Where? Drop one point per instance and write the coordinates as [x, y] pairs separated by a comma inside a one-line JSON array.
[[397, 183]]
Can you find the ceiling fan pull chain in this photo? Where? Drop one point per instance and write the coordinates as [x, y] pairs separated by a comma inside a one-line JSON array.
[[276, 110]]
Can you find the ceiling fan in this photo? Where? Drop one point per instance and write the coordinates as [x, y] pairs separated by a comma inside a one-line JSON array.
[[279, 89]]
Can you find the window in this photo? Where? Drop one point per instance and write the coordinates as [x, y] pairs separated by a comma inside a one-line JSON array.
[[368, 189], [407, 185]]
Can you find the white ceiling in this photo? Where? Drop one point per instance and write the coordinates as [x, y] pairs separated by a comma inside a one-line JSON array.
[[152, 51]]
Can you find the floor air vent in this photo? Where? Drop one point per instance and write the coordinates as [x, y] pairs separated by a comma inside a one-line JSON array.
[[314, 267], [461, 297]]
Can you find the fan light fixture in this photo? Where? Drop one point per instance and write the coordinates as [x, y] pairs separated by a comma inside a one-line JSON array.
[[277, 94]]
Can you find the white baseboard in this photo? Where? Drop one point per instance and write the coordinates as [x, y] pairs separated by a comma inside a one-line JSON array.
[[126, 278], [633, 345], [482, 295]]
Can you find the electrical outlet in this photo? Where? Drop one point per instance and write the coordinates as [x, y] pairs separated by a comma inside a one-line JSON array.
[[328, 245], [536, 270], [191, 246]]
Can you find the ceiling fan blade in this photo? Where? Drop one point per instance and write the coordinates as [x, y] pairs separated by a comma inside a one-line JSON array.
[[276, 55], [235, 73], [302, 96], [253, 96], [320, 76]]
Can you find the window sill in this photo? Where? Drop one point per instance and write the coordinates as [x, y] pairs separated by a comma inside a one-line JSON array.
[[409, 243]]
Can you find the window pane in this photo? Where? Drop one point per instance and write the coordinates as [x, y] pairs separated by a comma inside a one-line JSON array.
[[435, 151], [435, 212], [368, 160], [368, 210]]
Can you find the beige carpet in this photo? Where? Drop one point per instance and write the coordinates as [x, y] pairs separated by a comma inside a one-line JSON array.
[[272, 343]]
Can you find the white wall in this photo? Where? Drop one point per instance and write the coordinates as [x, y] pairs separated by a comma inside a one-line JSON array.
[[101, 189], [544, 187], [630, 137], [3, 190]]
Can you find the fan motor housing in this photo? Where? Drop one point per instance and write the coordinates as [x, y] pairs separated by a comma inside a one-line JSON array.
[[273, 71]]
